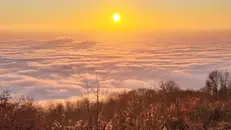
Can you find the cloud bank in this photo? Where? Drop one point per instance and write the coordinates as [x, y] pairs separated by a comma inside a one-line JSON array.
[[60, 68]]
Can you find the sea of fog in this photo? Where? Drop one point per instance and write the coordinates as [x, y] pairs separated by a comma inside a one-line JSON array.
[[60, 68]]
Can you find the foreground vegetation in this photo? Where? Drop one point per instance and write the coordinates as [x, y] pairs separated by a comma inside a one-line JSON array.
[[166, 108]]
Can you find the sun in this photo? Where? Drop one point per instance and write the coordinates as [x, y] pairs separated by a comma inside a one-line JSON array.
[[116, 17]]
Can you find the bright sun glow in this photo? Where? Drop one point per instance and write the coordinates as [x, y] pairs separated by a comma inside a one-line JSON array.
[[116, 17]]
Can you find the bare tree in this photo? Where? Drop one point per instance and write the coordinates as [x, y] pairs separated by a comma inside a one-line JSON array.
[[225, 84], [87, 97], [213, 83], [100, 92], [218, 83], [169, 86], [95, 95]]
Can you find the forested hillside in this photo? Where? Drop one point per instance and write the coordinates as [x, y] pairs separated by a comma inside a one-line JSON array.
[[167, 107]]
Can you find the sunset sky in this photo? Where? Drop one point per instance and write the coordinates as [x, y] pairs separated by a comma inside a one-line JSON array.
[[75, 16], [50, 48]]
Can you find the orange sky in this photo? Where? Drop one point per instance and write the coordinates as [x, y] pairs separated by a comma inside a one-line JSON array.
[[96, 16]]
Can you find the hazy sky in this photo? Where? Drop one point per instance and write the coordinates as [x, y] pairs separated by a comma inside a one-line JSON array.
[[96, 15]]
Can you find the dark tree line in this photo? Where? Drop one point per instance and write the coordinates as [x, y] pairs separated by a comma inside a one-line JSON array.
[[168, 107]]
